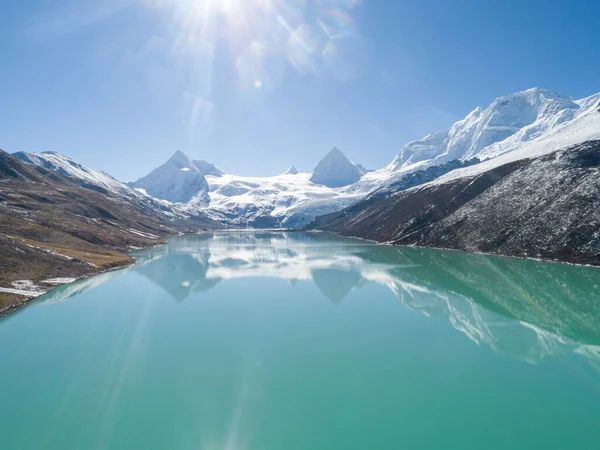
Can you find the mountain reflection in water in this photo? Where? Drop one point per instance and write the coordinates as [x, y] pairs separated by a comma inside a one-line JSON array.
[[526, 309]]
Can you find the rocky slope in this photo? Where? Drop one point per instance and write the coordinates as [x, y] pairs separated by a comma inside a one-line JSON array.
[[55, 226], [93, 180], [544, 207]]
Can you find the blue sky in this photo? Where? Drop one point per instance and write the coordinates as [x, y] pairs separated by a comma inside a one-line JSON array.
[[257, 85]]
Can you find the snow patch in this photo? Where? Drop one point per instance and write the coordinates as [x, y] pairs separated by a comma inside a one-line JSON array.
[[23, 293], [59, 281]]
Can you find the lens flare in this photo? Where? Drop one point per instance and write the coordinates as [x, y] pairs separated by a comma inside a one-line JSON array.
[[260, 40], [300, 32]]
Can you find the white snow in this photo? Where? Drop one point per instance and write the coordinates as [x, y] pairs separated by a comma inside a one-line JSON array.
[[59, 281], [291, 171], [24, 285], [291, 200], [335, 170], [142, 234], [25, 288], [584, 126], [21, 292], [507, 123], [67, 166], [178, 180]]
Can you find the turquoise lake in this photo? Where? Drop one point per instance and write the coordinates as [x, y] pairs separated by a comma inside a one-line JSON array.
[[291, 341]]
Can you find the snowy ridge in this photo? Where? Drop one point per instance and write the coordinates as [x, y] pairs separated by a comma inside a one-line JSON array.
[[584, 126], [74, 170], [506, 126], [207, 168], [91, 179]]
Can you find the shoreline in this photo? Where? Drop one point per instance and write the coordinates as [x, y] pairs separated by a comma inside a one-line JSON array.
[[12, 308], [466, 252], [29, 300], [26, 300]]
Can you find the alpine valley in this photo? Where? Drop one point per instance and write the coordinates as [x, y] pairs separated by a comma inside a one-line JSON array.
[[519, 178]]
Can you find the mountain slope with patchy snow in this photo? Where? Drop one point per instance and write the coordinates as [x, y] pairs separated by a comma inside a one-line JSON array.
[[545, 207], [60, 220], [88, 178]]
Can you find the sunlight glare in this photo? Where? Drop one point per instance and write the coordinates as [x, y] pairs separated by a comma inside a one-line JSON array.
[[259, 39]]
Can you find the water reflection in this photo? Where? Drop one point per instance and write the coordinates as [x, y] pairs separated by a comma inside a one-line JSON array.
[[525, 309]]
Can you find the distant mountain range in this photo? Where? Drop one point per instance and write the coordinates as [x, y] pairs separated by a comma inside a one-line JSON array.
[[519, 177], [518, 126]]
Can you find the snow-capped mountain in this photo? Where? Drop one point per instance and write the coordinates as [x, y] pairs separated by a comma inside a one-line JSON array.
[[179, 180], [289, 200], [542, 207], [335, 170], [207, 168], [503, 127], [513, 127]]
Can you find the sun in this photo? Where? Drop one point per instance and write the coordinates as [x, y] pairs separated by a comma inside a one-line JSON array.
[[258, 40]]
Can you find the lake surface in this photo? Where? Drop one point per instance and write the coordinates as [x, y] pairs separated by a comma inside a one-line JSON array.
[[274, 341]]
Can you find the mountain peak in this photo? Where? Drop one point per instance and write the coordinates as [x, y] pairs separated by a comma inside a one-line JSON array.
[[336, 170], [181, 160], [334, 155], [179, 154], [291, 171], [533, 96], [178, 180], [487, 132]]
